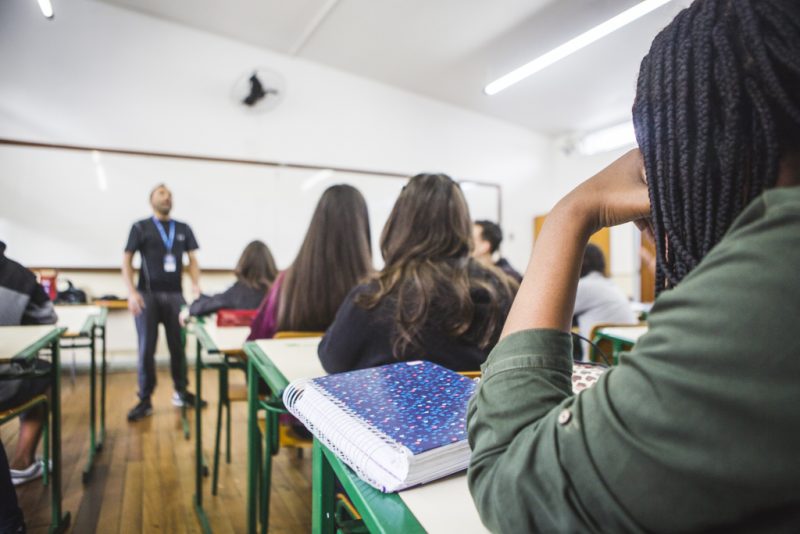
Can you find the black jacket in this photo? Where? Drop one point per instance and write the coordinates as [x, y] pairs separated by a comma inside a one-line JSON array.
[[361, 338], [239, 296]]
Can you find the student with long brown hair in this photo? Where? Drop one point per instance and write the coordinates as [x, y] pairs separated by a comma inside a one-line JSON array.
[[432, 300], [255, 273], [334, 257]]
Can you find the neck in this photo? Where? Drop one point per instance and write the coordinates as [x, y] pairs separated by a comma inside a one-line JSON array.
[[485, 259], [789, 170], [161, 217]]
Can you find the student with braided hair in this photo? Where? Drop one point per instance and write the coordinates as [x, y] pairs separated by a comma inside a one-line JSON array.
[[698, 427]]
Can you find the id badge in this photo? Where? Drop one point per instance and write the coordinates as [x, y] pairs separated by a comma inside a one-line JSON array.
[[170, 265]]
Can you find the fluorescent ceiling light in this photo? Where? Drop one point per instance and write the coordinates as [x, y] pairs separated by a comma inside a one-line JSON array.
[[570, 47], [46, 7], [611, 138]]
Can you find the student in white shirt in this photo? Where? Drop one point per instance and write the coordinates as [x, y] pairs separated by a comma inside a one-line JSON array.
[[598, 299]]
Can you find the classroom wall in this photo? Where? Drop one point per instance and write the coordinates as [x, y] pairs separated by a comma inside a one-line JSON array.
[[100, 75]]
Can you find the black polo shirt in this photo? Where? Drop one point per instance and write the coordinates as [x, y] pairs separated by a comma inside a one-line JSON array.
[[146, 239]]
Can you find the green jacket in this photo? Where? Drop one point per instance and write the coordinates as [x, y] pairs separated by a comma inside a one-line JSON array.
[[697, 429]]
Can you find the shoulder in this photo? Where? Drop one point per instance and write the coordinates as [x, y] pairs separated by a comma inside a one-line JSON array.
[[182, 226], [141, 224], [745, 283], [366, 288], [492, 275], [16, 277]]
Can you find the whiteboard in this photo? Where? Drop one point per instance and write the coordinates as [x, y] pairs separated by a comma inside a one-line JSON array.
[[74, 208]]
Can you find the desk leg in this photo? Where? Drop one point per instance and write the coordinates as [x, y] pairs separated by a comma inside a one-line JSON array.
[[223, 396], [252, 445], [616, 349], [185, 364], [87, 471], [198, 444], [266, 468], [323, 500], [102, 390], [59, 522]]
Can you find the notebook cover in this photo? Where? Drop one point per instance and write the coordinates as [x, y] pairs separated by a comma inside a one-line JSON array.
[[419, 405], [585, 375]]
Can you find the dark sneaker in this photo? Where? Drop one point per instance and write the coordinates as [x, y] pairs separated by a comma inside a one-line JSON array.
[[141, 410], [186, 399]]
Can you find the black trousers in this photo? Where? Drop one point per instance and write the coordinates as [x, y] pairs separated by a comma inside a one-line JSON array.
[[164, 308], [10, 514]]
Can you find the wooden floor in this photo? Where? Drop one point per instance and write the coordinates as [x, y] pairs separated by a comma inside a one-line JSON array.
[[143, 480]]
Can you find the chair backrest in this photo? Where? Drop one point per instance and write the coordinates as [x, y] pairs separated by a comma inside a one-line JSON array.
[[604, 345], [227, 317], [470, 374], [287, 334]]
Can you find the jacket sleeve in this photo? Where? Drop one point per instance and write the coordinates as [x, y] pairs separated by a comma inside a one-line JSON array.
[[694, 430], [40, 309], [341, 347], [206, 304]]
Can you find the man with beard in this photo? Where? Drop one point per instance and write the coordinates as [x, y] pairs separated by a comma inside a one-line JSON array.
[[158, 296]]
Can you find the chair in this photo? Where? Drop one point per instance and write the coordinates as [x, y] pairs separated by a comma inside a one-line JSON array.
[[470, 374], [286, 435], [12, 413], [610, 348], [227, 394], [228, 317], [287, 334]]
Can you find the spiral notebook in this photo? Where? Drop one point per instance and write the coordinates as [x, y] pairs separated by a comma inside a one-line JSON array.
[[396, 426]]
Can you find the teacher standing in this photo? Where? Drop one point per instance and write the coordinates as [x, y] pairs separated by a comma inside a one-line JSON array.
[[158, 296]]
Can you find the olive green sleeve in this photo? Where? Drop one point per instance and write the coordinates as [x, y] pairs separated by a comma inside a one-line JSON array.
[[694, 430]]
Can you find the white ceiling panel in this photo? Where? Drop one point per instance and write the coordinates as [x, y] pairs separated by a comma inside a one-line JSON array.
[[273, 24], [450, 49]]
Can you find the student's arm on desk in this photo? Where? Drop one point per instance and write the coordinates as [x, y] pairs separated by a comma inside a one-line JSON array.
[[205, 304], [40, 309]]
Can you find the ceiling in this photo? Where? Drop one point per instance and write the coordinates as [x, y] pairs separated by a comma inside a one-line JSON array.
[[450, 49]]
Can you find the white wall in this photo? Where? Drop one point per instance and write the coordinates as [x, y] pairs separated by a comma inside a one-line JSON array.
[[102, 76], [99, 75]]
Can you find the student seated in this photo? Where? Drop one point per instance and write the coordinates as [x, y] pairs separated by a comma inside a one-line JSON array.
[[697, 429], [431, 301], [487, 237], [23, 301], [598, 299], [255, 273], [334, 257]]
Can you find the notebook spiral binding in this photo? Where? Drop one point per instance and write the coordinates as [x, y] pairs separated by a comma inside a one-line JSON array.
[[362, 441]]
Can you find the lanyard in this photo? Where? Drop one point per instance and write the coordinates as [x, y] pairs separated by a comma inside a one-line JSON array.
[[168, 240]]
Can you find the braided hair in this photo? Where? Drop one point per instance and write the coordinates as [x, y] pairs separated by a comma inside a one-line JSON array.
[[717, 105]]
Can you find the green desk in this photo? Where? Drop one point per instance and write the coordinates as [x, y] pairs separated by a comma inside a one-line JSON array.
[[621, 337], [23, 343], [441, 506], [225, 343], [84, 325], [275, 362]]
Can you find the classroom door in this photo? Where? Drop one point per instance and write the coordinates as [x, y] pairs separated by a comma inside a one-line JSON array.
[[647, 271], [602, 239]]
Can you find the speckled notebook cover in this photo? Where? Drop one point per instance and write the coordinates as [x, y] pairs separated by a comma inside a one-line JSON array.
[[420, 405]]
